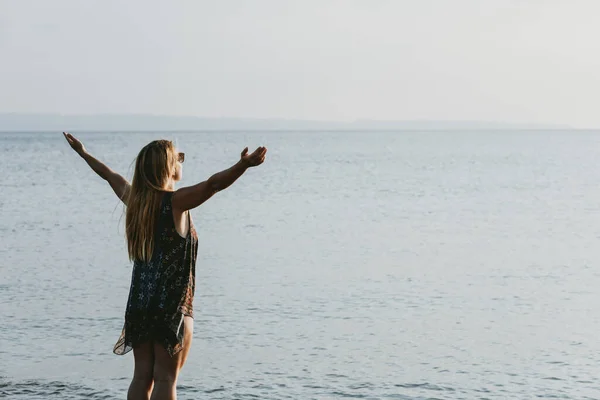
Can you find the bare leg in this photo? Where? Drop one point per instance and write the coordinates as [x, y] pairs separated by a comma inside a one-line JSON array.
[[142, 382], [166, 368]]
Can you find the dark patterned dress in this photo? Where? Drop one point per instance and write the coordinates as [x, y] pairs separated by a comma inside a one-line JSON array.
[[162, 290]]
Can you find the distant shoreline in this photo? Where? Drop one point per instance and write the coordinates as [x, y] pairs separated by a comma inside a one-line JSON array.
[[190, 131], [15, 122]]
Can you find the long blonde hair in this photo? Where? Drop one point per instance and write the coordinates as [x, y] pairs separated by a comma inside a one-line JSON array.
[[154, 166]]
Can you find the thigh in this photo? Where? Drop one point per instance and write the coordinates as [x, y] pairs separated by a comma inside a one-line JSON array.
[[167, 367], [143, 356], [188, 336]]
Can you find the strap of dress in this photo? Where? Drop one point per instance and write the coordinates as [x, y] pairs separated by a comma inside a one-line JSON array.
[[166, 219], [166, 212]]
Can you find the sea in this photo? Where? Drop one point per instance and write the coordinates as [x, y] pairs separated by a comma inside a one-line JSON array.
[[350, 265]]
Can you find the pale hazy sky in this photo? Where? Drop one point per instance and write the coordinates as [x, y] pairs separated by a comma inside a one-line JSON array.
[[499, 60]]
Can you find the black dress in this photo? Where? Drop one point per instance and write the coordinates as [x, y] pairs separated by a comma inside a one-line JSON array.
[[162, 290]]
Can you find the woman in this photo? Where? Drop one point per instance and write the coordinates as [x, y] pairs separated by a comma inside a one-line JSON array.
[[162, 245]]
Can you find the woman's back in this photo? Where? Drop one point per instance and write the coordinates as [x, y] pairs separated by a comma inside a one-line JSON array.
[[162, 289]]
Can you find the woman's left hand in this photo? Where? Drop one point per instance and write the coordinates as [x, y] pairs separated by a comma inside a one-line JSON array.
[[75, 143], [254, 159]]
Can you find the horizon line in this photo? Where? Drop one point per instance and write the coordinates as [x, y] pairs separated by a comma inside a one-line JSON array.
[[289, 119], [139, 122]]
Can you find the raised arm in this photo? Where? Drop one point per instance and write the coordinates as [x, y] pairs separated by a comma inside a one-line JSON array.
[[190, 197], [118, 184]]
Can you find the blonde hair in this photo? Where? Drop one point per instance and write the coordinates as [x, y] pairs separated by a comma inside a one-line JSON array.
[[154, 166]]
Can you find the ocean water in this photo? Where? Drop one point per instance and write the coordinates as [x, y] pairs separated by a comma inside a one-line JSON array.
[[373, 265]]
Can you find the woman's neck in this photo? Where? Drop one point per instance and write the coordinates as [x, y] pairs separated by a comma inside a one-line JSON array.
[[170, 186]]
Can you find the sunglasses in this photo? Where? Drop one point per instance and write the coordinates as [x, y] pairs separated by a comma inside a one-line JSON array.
[[180, 157]]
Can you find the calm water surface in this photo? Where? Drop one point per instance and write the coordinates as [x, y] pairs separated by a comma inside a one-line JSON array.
[[388, 265]]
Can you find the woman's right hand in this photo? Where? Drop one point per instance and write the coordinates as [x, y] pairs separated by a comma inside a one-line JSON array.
[[254, 159], [74, 143]]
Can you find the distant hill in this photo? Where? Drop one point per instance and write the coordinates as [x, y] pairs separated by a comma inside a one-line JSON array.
[[125, 122]]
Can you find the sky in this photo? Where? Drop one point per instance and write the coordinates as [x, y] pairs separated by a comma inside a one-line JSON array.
[[534, 61]]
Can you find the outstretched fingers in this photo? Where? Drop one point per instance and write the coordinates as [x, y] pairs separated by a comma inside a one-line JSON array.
[[259, 155], [256, 157]]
